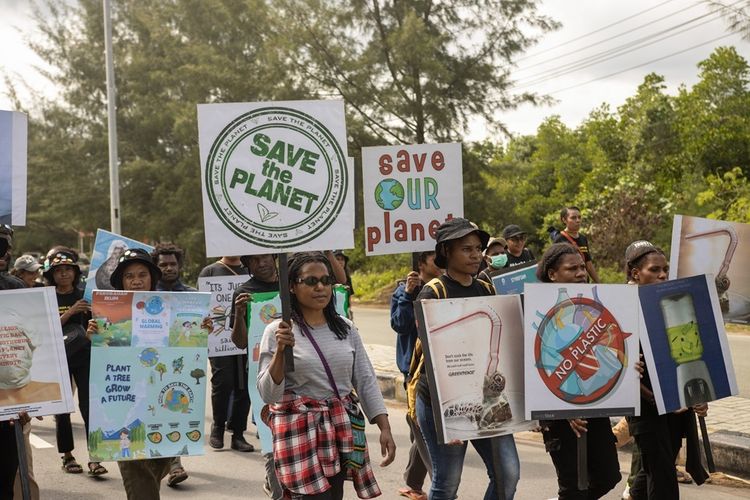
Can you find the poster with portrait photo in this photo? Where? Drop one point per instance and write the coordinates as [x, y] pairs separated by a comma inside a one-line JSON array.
[[474, 363], [580, 350], [720, 248], [685, 345], [108, 247], [33, 367]]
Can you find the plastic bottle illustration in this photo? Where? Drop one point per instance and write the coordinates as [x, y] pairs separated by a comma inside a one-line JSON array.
[[685, 347]]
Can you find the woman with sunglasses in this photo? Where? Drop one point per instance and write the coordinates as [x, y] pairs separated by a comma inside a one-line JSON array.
[[311, 407]]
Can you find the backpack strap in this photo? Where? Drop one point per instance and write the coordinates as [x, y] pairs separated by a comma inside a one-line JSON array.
[[438, 287]]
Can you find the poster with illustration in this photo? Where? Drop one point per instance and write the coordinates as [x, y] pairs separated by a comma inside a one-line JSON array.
[[684, 344], [719, 248], [33, 367], [148, 375], [262, 310], [108, 247], [510, 280], [474, 358], [580, 350], [221, 289]]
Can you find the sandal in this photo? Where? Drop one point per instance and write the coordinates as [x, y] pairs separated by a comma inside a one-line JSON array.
[[96, 469], [412, 494], [683, 476], [176, 476], [70, 466]]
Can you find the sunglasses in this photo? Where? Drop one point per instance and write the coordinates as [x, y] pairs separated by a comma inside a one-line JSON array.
[[314, 280]]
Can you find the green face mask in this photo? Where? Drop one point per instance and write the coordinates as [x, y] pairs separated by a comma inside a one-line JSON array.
[[499, 261]]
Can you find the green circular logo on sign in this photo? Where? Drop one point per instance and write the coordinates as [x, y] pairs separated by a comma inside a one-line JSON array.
[[276, 177]]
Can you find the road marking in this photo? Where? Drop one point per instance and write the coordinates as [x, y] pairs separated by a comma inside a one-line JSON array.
[[38, 442]]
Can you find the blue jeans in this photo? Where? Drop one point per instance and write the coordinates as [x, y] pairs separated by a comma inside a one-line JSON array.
[[448, 460]]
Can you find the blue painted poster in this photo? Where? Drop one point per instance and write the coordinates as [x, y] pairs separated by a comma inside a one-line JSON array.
[[510, 281], [108, 247], [148, 375], [262, 309], [685, 345]]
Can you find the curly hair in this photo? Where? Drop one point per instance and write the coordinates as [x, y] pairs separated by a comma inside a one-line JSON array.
[[550, 260], [167, 249], [335, 322]]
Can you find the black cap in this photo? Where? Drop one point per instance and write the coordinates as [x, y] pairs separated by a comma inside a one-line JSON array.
[[512, 230], [456, 229], [128, 257], [638, 249], [61, 258]]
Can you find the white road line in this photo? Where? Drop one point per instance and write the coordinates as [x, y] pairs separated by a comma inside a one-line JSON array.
[[38, 442]]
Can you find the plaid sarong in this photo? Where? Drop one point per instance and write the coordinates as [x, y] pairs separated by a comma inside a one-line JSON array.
[[308, 437]]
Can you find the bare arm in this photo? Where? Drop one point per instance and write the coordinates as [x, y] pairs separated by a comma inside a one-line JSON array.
[[284, 338], [592, 272], [338, 269], [239, 325], [387, 444]]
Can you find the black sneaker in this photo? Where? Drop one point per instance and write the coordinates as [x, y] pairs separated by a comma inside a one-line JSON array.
[[239, 443], [217, 437]]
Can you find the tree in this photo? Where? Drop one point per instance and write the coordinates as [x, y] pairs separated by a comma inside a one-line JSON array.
[[161, 368], [197, 374], [413, 70]]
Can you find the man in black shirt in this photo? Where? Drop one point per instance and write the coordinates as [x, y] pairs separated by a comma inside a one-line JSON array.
[[169, 258], [226, 266], [571, 217], [517, 252]]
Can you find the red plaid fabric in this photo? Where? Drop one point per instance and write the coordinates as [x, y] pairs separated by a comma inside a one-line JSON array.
[[308, 436]]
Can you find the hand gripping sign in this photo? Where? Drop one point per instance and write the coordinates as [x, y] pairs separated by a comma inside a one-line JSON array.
[[275, 177]]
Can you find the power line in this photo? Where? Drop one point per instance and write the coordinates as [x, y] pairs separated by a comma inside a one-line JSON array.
[[642, 64], [598, 30]]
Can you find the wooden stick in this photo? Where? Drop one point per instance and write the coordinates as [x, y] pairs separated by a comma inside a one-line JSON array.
[[583, 462], [707, 445], [286, 306]]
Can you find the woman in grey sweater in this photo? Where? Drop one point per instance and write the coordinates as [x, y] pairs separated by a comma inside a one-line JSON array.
[[316, 446]]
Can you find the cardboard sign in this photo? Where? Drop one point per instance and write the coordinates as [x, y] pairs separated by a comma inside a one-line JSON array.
[[474, 357], [13, 153], [221, 289], [148, 375], [275, 177], [511, 280], [720, 248], [685, 345], [33, 367], [408, 192], [108, 248], [581, 348]]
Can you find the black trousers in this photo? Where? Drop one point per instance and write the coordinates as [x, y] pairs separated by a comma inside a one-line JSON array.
[[229, 382], [657, 478], [8, 460], [603, 465], [79, 366], [336, 492]]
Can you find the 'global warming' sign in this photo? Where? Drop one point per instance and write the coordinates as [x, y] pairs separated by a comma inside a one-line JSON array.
[[275, 177], [408, 192]]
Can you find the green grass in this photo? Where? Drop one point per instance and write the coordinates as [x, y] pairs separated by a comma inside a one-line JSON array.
[[117, 334], [110, 450], [377, 287]]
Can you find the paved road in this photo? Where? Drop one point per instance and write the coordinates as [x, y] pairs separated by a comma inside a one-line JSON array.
[[228, 474], [374, 324]]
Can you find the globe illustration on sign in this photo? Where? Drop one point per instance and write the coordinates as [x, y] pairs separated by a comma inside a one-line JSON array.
[[149, 357], [176, 400], [389, 194], [579, 349], [268, 313]]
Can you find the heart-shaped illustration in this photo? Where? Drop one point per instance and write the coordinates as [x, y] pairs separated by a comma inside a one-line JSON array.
[[265, 214]]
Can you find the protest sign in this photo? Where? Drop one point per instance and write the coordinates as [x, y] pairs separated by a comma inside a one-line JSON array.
[[720, 248], [275, 177], [148, 375], [263, 309], [13, 153], [474, 357], [341, 296], [108, 248], [408, 192], [510, 280], [580, 351], [33, 367], [221, 289], [684, 343]]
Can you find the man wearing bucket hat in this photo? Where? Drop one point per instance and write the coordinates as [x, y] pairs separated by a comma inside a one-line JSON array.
[[61, 271], [458, 250], [26, 268]]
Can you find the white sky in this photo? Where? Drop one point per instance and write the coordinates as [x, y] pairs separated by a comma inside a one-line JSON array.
[[579, 17]]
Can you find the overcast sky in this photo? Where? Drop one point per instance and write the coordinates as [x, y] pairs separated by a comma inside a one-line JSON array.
[[568, 45]]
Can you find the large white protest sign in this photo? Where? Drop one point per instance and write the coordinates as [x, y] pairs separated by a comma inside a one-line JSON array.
[[13, 151], [581, 348], [222, 290], [33, 367], [408, 192], [275, 177]]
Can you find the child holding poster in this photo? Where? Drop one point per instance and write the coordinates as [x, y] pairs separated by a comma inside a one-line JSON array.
[[659, 437], [562, 263]]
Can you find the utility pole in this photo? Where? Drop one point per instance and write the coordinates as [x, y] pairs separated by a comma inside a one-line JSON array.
[[114, 175]]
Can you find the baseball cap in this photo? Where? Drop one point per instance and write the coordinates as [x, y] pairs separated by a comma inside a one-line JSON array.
[[512, 230], [638, 249], [496, 241], [26, 263]]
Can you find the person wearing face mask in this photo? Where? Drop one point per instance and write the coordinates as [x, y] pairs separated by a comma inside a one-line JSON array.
[[495, 257], [27, 269]]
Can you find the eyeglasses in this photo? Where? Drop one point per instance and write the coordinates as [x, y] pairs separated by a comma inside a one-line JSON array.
[[314, 280], [521, 237]]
